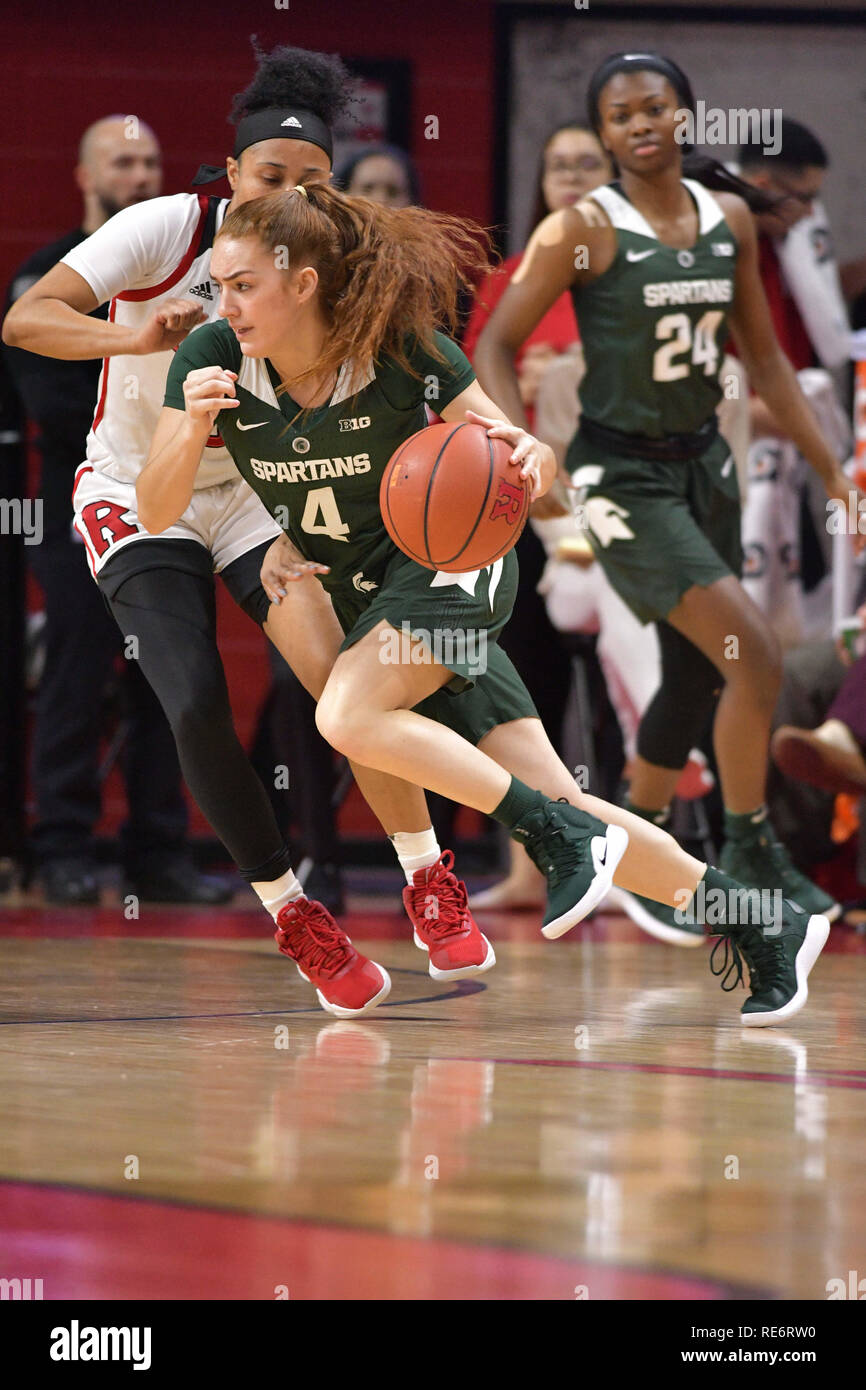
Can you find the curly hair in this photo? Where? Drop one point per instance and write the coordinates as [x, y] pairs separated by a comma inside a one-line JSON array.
[[317, 82]]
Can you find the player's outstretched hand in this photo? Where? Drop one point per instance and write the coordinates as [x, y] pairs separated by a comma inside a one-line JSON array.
[[207, 391], [282, 564], [168, 325], [537, 461]]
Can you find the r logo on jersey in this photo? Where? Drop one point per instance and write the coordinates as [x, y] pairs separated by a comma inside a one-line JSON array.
[[106, 523], [508, 502]]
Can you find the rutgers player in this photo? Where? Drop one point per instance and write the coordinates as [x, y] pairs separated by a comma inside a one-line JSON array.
[[153, 264]]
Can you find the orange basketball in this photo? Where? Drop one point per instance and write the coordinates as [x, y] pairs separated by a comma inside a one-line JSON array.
[[451, 500]]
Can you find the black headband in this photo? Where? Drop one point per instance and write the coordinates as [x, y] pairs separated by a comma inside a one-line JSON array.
[[274, 123], [636, 62]]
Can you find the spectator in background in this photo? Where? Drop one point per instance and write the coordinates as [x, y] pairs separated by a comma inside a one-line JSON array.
[[119, 165], [381, 172], [783, 530], [572, 163]]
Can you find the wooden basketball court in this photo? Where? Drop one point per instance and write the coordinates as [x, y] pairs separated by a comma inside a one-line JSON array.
[[180, 1120]]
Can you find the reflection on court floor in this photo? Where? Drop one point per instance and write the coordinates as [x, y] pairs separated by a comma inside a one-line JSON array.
[[587, 1121]]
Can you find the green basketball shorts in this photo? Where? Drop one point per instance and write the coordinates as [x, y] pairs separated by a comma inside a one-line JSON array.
[[658, 528], [454, 620]]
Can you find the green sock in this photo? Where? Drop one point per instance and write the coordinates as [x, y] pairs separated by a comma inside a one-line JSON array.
[[722, 901], [657, 817], [516, 802], [745, 826]]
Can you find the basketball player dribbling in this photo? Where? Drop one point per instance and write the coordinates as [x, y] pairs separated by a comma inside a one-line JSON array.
[[152, 263], [331, 306]]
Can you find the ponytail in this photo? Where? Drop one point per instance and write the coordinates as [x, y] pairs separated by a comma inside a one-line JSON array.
[[389, 278], [713, 174]]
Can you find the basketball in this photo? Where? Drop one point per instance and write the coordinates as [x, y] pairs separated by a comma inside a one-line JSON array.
[[451, 500]]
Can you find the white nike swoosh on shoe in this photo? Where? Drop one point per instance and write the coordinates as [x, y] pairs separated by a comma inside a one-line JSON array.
[[256, 426], [606, 853]]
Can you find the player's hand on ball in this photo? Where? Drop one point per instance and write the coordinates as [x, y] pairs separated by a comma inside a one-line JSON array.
[[169, 325], [207, 391], [284, 563], [537, 461]]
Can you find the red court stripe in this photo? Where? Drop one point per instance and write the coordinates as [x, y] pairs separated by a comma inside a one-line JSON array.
[[94, 1245], [821, 1078]]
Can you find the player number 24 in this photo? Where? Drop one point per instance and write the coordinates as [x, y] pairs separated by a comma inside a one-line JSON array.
[[703, 348]]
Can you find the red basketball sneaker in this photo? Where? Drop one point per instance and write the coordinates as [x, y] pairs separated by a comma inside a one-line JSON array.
[[347, 983], [444, 926]]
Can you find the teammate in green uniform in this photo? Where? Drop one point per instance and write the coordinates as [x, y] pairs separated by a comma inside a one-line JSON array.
[[660, 268], [318, 374]]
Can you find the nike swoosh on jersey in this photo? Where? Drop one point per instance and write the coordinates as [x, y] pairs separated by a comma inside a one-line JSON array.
[[639, 255], [256, 426]]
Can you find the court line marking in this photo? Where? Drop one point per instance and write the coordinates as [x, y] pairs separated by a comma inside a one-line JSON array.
[[710, 1282], [460, 990], [825, 1078]]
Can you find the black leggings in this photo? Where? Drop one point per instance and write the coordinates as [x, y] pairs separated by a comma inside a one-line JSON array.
[[677, 715], [162, 593]]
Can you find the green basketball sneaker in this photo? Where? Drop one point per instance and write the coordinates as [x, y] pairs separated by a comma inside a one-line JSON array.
[[578, 856], [760, 861], [779, 963], [668, 924]]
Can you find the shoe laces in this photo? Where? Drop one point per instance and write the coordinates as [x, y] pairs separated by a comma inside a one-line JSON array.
[[309, 934], [555, 853], [449, 897], [765, 959]]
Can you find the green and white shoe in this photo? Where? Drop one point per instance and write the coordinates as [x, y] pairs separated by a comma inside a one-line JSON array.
[[760, 861], [578, 856], [657, 919], [779, 963]]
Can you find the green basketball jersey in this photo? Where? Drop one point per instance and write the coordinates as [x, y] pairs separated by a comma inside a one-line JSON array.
[[653, 326], [318, 473]]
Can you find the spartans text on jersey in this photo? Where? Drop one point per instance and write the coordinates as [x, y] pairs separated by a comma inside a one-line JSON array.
[[310, 470]]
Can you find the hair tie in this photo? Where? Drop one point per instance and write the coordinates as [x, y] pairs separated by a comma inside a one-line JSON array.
[[299, 188]]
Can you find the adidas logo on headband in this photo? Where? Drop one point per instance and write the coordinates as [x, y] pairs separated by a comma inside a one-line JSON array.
[[292, 120]]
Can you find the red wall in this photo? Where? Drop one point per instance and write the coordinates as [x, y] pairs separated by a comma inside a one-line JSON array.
[[177, 66]]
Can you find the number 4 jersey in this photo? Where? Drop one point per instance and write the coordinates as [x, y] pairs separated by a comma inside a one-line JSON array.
[[318, 471], [653, 326]]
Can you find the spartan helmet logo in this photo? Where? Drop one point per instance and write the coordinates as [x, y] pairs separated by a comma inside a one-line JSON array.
[[606, 520]]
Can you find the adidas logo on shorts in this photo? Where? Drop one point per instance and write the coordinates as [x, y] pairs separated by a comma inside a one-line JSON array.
[[203, 291]]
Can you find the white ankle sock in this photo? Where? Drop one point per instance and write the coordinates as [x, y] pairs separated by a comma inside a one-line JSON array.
[[415, 850], [278, 892]]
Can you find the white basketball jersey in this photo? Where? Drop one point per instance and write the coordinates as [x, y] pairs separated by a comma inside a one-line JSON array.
[[143, 256]]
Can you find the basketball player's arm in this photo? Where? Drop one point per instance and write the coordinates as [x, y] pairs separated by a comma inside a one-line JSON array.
[[52, 319], [164, 486], [771, 374], [537, 461], [550, 266]]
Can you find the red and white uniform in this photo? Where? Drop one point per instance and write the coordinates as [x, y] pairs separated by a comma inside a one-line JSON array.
[[147, 254]]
